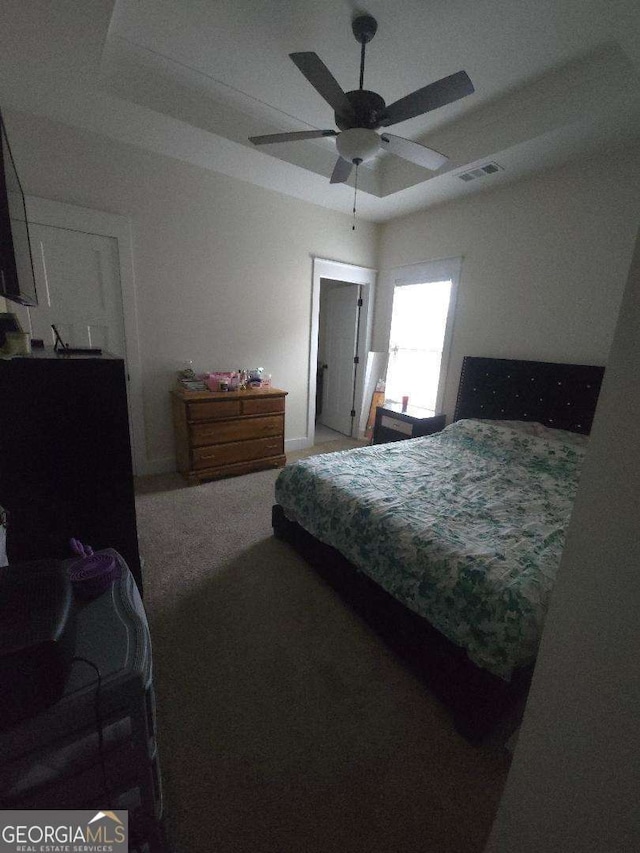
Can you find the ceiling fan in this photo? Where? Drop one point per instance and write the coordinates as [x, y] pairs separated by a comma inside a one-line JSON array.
[[359, 114]]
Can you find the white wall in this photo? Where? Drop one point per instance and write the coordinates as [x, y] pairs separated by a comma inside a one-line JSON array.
[[574, 785], [544, 262], [223, 268]]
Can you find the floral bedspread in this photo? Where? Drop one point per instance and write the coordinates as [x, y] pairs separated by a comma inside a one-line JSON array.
[[465, 527]]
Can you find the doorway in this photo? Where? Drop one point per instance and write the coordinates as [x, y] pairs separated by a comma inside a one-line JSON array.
[[347, 293]]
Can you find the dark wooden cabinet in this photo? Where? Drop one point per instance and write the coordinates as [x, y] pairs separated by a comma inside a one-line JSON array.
[[392, 424], [65, 456]]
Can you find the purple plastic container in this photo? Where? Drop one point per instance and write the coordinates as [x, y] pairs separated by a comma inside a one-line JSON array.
[[91, 576]]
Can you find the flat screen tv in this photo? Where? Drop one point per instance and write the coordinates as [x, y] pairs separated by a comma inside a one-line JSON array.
[[17, 280]]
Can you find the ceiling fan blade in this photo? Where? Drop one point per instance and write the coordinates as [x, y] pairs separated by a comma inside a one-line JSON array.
[[291, 137], [341, 171], [323, 82], [429, 98], [413, 151]]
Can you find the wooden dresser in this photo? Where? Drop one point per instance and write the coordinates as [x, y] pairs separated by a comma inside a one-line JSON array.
[[225, 433]]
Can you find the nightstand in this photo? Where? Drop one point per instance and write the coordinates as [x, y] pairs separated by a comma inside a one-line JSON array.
[[392, 424]]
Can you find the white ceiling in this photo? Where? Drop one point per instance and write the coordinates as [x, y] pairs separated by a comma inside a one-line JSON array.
[[194, 78]]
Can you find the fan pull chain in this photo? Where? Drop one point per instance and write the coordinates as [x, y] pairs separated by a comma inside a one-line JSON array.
[[355, 194]]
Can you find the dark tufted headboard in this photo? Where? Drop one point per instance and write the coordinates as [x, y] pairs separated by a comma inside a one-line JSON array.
[[563, 396]]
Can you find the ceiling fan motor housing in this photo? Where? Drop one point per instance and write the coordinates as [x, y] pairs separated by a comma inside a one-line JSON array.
[[368, 108]]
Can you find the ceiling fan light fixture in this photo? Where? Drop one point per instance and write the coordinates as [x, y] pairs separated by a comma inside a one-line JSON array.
[[358, 144]]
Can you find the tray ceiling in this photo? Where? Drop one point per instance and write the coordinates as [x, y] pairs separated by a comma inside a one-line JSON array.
[[194, 79]]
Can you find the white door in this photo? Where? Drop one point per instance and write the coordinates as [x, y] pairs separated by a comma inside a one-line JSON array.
[[83, 264], [341, 306], [78, 281]]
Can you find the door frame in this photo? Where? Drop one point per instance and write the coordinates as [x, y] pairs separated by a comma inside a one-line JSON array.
[[351, 274], [56, 214]]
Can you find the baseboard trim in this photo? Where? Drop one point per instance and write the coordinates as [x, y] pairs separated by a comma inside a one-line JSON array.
[[160, 465], [293, 444], [167, 464]]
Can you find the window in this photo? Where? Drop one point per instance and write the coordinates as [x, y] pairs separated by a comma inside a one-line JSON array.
[[421, 322]]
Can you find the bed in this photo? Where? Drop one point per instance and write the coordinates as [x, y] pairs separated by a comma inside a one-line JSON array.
[[449, 545]]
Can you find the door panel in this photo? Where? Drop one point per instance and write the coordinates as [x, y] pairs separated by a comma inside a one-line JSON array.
[[341, 306], [78, 280]]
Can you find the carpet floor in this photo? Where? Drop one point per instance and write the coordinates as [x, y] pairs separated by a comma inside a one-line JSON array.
[[285, 725]]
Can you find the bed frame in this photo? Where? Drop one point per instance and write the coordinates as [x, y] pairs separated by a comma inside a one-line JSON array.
[[562, 396]]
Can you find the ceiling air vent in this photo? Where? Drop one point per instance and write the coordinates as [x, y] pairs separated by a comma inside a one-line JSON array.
[[481, 171]]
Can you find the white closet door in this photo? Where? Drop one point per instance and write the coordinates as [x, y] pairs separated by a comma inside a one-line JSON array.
[[341, 333], [78, 280]]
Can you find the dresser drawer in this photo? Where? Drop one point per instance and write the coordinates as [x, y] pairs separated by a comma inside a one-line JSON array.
[[218, 433], [240, 451], [214, 410], [262, 406], [397, 425]]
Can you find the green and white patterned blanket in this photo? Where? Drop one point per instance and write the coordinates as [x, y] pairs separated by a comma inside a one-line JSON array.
[[465, 527]]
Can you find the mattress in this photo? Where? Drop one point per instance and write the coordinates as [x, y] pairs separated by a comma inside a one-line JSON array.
[[465, 527]]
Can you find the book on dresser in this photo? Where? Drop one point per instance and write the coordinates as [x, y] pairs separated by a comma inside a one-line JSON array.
[[226, 433]]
